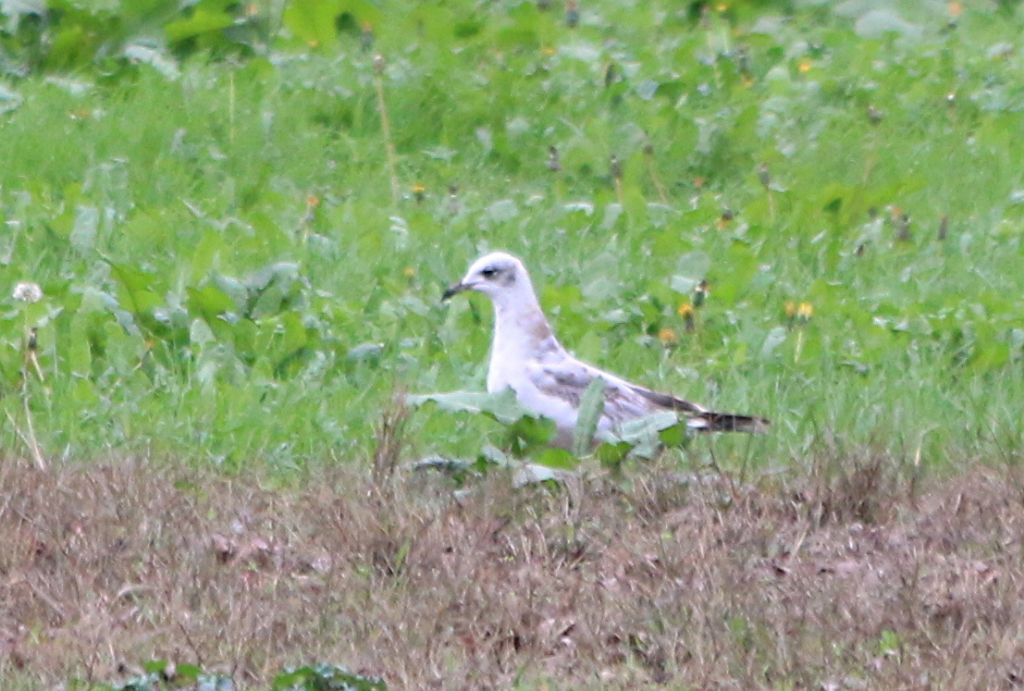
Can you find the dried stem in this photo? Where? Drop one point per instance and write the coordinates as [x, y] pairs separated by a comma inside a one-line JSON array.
[[29, 440], [655, 178], [385, 125], [31, 362]]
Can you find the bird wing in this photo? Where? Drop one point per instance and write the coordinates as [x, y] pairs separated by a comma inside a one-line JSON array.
[[664, 400], [567, 378], [700, 418]]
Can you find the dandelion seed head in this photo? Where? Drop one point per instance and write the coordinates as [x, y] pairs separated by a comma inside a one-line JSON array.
[[27, 291]]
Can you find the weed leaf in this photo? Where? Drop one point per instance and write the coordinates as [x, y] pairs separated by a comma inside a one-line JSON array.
[[591, 408]]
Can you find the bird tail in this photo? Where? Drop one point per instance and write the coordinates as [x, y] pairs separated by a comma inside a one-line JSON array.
[[705, 420], [710, 421]]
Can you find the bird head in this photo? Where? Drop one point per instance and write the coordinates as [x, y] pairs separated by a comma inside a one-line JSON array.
[[497, 275]]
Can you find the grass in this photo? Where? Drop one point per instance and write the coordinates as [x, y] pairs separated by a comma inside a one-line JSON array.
[[230, 282], [164, 195], [854, 579]]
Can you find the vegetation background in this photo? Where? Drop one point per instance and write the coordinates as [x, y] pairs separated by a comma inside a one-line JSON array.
[[241, 217]]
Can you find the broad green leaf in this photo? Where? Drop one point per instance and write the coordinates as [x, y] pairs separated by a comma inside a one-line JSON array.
[[295, 335], [270, 287], [279, 272], [154, 666], [156, 59], [684, 284], [321, 677], [207, 254], [675, 435], [365, 352], [558, 459], [591, 408], [79, 352], [443, 463], [200, 334], [83, 232], [492, 455], [876, 23], [83, 393], [693, 265], [533, 474], [233, 288], [529, 432], [642, 434], [209, 300], [775, 338], [139, 291], [185, 672], [203, 20], [312, 21], [638, 429], [503, 407]]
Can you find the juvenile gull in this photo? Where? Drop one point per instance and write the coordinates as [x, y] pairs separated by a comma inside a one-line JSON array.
[[526, 356]]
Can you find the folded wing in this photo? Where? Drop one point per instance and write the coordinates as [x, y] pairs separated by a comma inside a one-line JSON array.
[[624, 401]]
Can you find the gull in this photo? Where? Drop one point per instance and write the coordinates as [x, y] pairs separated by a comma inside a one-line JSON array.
[[526, 357]]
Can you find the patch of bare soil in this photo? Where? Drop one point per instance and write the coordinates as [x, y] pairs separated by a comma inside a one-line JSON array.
[[853, 581]]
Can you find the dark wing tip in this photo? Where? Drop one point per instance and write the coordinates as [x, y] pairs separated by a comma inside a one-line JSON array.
[[664, 400], [712, 421], [731, 422]]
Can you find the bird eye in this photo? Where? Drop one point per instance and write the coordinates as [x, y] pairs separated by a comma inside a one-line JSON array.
[[489, 272]]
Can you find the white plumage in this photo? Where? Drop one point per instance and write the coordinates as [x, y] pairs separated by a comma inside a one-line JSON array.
[[526, 356]]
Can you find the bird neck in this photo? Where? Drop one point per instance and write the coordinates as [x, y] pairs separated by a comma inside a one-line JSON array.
[[520, 328]]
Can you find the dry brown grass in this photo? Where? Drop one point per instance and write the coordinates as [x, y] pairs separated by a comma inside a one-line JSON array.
[[838, 581]]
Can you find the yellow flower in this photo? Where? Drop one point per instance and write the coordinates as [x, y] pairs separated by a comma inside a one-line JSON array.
[[790, 308], [721, 7], [409, 272], [667, 336], [312, 201], [805, 311], [548, 51], [804, 66], [688, 314]]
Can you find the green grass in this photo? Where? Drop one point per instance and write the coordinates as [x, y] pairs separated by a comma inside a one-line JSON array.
[[144, 204]]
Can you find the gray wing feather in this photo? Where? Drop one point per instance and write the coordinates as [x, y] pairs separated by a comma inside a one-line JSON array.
[[622, 401], [700, 418], [664, 400]]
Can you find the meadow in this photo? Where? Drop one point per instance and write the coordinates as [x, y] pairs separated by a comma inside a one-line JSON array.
[[241, 218]]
